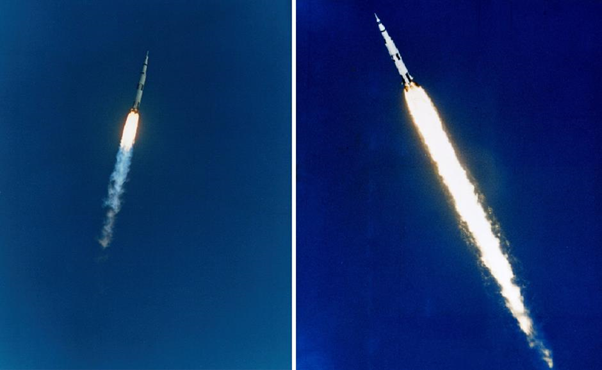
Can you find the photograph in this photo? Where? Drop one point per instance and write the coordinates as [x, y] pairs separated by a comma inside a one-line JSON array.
[[145, 195], [448, 177]]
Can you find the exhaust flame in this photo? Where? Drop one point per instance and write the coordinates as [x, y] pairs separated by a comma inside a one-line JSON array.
[[118, 177], [129, 131], [471, 212]]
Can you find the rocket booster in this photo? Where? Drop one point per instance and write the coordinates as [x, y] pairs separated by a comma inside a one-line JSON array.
[[394, 53], [140, 86]]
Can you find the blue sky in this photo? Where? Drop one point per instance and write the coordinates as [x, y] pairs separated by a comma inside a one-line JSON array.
[[198, 275], [385, 279]]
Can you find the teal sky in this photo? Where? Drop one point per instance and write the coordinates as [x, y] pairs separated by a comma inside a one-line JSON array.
[[198, 274]]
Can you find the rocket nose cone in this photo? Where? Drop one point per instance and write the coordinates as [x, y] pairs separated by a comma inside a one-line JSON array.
[[377, 19]]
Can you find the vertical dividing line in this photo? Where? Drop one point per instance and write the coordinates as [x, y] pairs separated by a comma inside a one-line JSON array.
[[294, 183]]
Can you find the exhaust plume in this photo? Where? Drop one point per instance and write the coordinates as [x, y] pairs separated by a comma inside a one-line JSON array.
[[118, 178], [471, 211]]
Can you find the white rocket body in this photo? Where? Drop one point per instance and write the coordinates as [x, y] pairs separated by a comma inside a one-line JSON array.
[[394, 53], [140, 87]]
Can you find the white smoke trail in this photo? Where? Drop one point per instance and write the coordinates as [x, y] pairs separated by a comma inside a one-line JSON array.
[[470, 210], [118, 178]]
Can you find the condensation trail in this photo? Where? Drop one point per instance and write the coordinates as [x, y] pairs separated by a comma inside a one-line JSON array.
[[118, 177], [470, 210]]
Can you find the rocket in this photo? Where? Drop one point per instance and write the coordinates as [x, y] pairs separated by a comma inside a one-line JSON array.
[[394, 53], [140, 86]]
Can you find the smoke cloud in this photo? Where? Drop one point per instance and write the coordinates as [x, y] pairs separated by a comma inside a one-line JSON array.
[[118, 178]]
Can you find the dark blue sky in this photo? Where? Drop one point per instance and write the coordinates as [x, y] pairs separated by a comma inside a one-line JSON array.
[[384, 277], [198, 275]]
